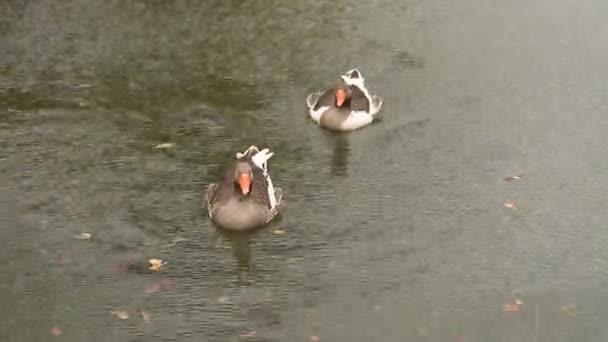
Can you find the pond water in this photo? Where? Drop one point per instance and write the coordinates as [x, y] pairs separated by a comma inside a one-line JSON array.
[[396, 232]]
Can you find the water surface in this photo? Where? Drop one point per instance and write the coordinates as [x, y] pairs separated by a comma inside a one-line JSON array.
[[395, 232]]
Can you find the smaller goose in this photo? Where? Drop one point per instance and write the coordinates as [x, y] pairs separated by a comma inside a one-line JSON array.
[[347, 106], [245, 198]]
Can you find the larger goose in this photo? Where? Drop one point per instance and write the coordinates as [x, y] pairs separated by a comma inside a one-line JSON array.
[[246, 197], [345, 107]]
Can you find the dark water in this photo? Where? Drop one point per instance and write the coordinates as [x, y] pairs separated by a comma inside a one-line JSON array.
[[397, 232]]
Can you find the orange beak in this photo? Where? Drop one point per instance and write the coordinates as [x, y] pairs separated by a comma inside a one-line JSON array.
[[245, 182], [340, 97]]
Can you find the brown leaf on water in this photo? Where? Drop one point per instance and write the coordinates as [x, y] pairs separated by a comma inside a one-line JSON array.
[[60, 260], [154, 288], [156, 264], [120, 267], [514, 306], [165, 284], [568, 310], [510, 204], [279, 231], [511, 307], [249, 333], [515, 177], [124, 263], [56, 331], [122, 314]]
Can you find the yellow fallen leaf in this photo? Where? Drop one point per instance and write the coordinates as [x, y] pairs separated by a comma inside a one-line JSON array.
[[164, 145], [156, 264], [279, 231], [122, 314]]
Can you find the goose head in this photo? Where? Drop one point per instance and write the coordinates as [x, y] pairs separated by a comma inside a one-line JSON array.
[[343, 93], [344, 86], [243, 177]]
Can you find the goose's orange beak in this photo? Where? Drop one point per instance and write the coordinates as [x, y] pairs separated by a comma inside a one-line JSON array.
[[340, 97], [245, 183]]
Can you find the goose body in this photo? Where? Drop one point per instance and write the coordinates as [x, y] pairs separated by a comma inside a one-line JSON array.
[[245, 198], [345, 107]]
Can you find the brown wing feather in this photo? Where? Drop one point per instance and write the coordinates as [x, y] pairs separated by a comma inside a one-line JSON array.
[[327, 99], [358, 100], [280, 204], [218, 193], [210, 197], [259, 187]]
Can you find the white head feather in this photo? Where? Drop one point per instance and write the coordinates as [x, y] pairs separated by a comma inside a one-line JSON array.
[[261, 159], [240, 155], [350, 73]]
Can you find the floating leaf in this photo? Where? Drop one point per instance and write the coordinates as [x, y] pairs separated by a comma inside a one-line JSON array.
[[60, 260], [176, 241], [83, 236], [512, 178], [511, 307], [156, 264], [120, 267], [164, 145], [248, 333], [145, 315], [279, 231], [510, 205], [56, 331], [122, 314], [167, 284], [514, 306], [154, 288], [568, 310]]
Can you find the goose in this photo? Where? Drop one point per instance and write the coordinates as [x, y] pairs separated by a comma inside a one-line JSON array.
[[345, 107], [245, 198]]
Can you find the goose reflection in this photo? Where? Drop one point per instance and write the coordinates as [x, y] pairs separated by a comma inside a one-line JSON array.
[[241, 247], [340, 154]]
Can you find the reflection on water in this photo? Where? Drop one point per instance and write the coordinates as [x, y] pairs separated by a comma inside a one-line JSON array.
[[241, 246], [340, 154]]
